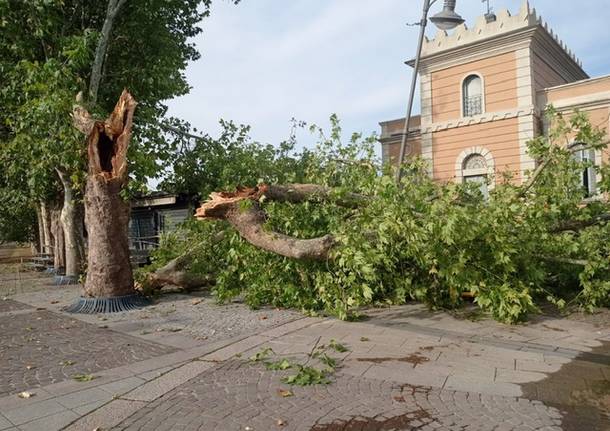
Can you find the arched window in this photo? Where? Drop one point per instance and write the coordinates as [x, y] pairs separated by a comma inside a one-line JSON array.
[[472, 94], [475, 170]]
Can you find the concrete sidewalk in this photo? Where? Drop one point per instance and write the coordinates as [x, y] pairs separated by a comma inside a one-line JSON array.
[[405, 368]]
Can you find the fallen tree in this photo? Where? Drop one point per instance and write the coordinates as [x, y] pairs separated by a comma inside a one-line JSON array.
[[357, 238]]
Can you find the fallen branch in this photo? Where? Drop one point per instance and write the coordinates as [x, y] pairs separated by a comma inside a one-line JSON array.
[[566, 260], [242, 210], [299, 193], [576, 225], [176, 273]]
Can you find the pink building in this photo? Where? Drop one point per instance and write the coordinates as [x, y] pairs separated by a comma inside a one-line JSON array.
[[483, 95]]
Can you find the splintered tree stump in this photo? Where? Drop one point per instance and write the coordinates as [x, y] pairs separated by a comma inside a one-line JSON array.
[[109, 272]]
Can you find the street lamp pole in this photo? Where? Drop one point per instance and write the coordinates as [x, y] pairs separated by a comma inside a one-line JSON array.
[[445, 20]]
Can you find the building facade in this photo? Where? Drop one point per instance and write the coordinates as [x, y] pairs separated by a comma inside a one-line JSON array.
[[484, 91]]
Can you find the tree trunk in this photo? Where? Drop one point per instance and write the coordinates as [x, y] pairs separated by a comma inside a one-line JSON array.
[[71, 220], [109, 272], [112, 10], [176, 273], [46, 228], [57, 230], [41, 240]]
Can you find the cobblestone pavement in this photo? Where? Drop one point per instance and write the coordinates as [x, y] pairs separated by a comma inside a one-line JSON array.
[[7, 305], [39, 348], [237, 395], [180, 365]]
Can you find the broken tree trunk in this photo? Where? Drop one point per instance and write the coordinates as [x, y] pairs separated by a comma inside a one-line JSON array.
[[109, 272], [242, 210]]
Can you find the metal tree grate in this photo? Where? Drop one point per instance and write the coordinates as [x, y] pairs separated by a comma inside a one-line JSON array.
[[108, 305], [64, 280]]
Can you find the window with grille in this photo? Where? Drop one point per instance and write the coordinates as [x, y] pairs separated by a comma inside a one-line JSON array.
[[472, 92]]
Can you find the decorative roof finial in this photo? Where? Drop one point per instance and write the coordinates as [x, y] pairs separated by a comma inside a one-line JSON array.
[[489, 16]]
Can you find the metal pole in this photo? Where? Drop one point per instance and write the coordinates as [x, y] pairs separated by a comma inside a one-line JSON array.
[[405, 133]]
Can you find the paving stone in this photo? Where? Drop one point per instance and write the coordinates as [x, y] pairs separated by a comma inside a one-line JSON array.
[[121, 386], [107, 416], [485, 387], [34, 411], [13, 401], [158, 387], [4, 423], [511, 376], [237, 348], [52, 422], [77, 399], [88, 408], [538, 366]]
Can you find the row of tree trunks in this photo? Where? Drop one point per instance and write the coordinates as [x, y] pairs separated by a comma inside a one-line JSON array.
[[61, 233]]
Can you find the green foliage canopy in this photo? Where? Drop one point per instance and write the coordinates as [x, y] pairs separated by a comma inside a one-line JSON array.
[[421, 240], [46, 55]]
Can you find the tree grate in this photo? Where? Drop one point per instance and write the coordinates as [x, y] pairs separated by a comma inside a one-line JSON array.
[[65, 280], [108, 305]]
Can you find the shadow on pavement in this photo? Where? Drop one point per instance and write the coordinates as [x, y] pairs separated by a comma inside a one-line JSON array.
[[580, 390]]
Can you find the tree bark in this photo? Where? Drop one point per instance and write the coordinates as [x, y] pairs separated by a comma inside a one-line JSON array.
[[109, 272], [175, 273], [242, 210], [298, 193], [46, 228], [72, 222], [57, 230], [41, 240]]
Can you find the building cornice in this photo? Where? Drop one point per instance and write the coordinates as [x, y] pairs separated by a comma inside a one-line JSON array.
[[487, 117], [480, 119], [508, 42], [581, 102], [576, 83]]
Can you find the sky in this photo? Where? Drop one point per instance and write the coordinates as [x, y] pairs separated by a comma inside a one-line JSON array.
[[267, 61]]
